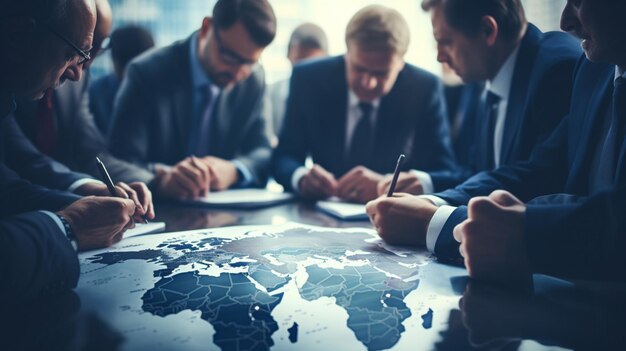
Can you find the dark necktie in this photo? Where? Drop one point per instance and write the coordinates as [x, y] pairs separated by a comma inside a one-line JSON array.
[[361, 143], [46, 138], [492, 101], [614, 138], [204, 125]]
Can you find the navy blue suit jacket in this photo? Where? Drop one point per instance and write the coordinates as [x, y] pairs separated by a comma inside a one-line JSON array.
[[102, 94], [24, 158], [573, 232], [411, 120], [35, 255], [539, 98]]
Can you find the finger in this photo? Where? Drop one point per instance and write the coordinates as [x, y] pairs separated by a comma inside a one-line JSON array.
[[324, 177], [312, 186], [483, 208], [505, 198], [349, 187], [180, 186], [145, 197], [205, 172], [383, 186], [120, 192], [180, 177], [193, 174], [132, 194], [462, 250], [458, 231], [404, 183]]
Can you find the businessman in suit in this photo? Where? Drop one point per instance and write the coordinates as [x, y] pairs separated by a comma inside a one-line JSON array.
[[307, 42], [355, 114], [527, 91], [561, 212], [61, 126], [40, 229], [126, 43], [190, 114]]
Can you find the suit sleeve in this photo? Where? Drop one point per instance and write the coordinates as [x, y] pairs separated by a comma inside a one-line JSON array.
[[581, 238], [37, 258], [255, 151], [292, 149], [20, 196], [544, 173], [30, 164], [91, 143]]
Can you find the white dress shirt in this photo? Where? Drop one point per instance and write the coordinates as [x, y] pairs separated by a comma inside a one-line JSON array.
[[354, 115]]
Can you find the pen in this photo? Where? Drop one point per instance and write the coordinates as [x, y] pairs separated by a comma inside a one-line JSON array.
[[396, 173], [106, 178]]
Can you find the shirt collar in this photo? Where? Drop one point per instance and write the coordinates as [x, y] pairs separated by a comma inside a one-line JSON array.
[[7, 104], [501, 83], [353, 100], [199, 77], [619, 73]]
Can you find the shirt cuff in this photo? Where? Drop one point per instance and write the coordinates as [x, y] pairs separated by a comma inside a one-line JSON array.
[[436, 225], [77, 184], [58, 222], [435, 200], [246, 176], [425, 180], [296, 176]]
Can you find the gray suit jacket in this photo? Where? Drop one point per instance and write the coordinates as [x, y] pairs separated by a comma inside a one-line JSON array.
[[152, 118], [78, 139]]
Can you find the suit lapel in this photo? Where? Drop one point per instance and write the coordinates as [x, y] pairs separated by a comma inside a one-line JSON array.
[[518, 95], [183, 100], [333, 118], [597, 110]]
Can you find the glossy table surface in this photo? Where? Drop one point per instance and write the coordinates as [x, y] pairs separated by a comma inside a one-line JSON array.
[[461, 314]]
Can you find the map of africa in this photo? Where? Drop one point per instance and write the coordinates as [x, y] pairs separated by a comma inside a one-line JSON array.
[[258, 288]]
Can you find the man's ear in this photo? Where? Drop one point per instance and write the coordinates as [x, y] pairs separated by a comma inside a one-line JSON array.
[[16, 37], [489, 30], [207, 25]]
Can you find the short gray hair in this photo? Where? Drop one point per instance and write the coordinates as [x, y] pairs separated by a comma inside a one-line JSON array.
[[378, 28], [309, 36]]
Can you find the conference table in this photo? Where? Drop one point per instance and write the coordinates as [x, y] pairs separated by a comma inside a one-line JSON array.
[[289, 277]]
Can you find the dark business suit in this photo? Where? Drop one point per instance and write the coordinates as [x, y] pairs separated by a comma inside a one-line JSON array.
[[153, 115], [78, 140], [102, 94], [575, 232], [538, 99], [411, 120], [35, 255]]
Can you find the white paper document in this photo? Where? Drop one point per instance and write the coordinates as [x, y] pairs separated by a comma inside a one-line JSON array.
[[143, 228], [243, 198], [343, 210]]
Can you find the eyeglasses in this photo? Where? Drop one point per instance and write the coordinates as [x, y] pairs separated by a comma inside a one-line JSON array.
[[84, 56], [229, 56]]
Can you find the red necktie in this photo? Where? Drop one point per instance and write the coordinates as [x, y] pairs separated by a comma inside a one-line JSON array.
[[46, 138]]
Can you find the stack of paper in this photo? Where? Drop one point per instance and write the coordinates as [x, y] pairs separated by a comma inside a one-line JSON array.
[[343, 210], [243, 198]]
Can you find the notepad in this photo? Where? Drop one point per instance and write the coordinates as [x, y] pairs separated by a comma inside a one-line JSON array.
[[343, 210], [142, 228], [243, 199]]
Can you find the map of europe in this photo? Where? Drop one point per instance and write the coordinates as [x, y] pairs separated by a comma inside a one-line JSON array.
[[236, 278]]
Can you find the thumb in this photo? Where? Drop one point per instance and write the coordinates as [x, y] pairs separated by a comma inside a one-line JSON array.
[[505, 198], [483, 208]]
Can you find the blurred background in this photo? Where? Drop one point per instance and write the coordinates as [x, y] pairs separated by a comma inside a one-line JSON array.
[[171, 20]]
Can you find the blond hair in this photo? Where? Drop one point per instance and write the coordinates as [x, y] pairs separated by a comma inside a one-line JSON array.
[[379, 28]]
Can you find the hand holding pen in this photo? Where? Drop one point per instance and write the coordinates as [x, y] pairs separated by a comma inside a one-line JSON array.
[[135, 191]]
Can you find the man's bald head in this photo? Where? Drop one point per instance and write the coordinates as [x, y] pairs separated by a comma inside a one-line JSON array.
[[39, 41]]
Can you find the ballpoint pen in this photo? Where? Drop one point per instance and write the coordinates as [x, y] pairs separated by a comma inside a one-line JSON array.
[[106, 178], [396, 173]]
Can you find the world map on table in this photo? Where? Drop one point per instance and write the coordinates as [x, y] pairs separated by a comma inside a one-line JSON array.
[[235, 279]]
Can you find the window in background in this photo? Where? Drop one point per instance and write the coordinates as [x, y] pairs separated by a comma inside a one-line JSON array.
[[174, 20]]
